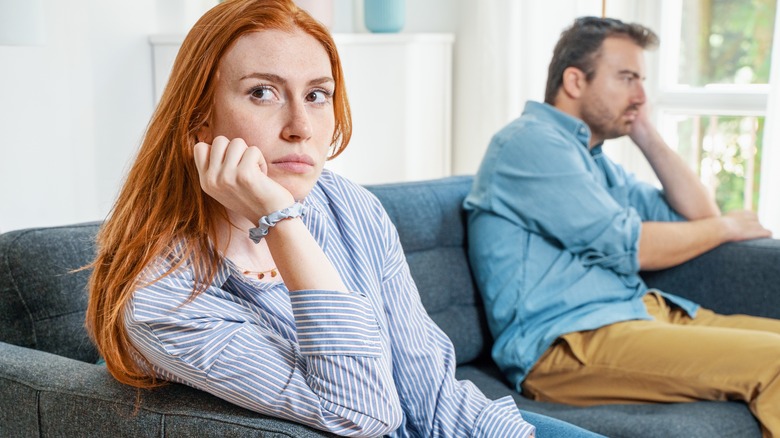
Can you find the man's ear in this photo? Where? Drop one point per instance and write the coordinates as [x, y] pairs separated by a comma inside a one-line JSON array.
[[574, 82]]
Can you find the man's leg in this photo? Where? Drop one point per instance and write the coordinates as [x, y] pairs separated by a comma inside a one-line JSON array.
[[669, 359]]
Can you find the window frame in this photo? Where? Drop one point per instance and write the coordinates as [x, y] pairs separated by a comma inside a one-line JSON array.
[[760, 100]]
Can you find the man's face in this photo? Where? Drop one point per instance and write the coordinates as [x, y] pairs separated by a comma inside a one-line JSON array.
[[610, 102]]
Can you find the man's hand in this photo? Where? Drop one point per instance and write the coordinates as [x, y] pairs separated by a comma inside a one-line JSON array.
[[643, 133], [743, 225]]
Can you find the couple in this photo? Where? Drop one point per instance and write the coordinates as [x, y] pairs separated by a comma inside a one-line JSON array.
[[233, 263]]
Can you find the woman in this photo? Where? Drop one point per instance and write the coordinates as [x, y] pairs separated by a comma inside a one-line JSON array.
[[233, 263]]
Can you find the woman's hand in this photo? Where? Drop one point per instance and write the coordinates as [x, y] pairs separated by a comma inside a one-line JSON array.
[[236, 176]]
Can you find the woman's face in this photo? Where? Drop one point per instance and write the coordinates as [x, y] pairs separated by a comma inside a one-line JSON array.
[[274, 90]]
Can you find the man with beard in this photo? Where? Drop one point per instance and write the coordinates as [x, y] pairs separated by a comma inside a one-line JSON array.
[[558, 234]]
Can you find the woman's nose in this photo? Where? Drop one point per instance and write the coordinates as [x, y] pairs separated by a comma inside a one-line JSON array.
[[297, 126]]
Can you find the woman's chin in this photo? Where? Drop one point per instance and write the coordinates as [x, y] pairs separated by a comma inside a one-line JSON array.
[[298, 188]]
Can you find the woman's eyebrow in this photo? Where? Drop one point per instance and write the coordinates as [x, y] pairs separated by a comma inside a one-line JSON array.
[[322, 80], [266, 76], [280, 80]]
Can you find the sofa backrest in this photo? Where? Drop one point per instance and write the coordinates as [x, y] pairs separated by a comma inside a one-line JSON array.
[[42, 299], [432, 226]]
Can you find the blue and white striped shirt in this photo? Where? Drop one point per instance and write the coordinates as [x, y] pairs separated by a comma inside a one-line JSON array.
[[366, 363]]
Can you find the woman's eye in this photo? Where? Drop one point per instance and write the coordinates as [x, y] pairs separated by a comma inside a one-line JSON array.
[[318, 96], [262, 93]]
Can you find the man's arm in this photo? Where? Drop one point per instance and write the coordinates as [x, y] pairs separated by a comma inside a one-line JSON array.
[[682, 188], [667, 244]]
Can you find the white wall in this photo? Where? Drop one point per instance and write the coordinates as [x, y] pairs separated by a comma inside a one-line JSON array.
[[421, 16], [72, 112]]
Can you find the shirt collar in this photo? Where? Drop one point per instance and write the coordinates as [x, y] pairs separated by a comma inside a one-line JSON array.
[[317, 199], [225, 269], [566, 122]]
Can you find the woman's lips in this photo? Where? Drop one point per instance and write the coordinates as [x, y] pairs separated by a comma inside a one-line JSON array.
[[294, 163]]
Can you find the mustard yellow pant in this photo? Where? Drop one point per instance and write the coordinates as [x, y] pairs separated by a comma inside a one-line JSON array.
[[672, 358]]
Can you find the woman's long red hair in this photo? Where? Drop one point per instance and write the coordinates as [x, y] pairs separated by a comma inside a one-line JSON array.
[[161, 202]]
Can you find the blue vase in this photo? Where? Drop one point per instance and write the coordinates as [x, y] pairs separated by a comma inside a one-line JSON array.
[[384, 15]]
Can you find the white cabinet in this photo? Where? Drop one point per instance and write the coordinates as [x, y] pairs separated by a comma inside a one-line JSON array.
[[400, 93]]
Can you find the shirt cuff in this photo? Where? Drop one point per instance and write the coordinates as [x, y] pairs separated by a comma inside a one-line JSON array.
[[335, 323], [502, 418]]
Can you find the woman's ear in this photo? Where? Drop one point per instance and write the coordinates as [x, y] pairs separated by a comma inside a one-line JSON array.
[[204, 133], [574, 82]]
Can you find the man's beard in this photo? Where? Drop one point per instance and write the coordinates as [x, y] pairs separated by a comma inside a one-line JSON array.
[[602, 121]]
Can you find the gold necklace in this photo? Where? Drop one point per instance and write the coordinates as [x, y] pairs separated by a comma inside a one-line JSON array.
[[261, 274]]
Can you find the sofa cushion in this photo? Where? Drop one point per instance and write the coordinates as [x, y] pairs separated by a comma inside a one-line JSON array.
[[648, 420], [431, 226], [42, 298], [57, 396], [749, 265]]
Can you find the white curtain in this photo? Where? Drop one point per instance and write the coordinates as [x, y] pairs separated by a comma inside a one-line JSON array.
[[502, 52], [769, 195]]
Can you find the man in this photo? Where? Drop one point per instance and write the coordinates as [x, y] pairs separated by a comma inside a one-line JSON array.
[[558, 234]]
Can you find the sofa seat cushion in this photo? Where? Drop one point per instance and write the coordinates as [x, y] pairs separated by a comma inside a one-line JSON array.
[[690, 420]]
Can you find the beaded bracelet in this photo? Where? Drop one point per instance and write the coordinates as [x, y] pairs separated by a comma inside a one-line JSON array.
[[266, 222]]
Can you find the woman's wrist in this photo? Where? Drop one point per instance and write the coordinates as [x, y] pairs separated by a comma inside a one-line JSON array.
[[265, 223]]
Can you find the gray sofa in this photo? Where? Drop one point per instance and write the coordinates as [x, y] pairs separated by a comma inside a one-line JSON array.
[[50, 385]]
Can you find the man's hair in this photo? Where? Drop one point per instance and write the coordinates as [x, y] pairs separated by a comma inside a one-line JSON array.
[[580, 46]]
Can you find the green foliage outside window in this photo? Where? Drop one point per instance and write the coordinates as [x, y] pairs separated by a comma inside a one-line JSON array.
[[722, 146], [726, 41]]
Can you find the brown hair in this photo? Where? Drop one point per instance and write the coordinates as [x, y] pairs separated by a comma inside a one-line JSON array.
[[161, 201], [580, 46]]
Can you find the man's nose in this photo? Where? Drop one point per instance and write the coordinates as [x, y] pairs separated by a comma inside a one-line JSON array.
[[639, 96]]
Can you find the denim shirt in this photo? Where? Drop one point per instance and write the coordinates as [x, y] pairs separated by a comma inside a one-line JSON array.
[[554, 232]]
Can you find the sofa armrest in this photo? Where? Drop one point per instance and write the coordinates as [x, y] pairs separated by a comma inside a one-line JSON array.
[[43, 394], [740, 277]]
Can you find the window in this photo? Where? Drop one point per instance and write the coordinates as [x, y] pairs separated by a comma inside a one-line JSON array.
[[724, 41], [712, 91], [725, 151]]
